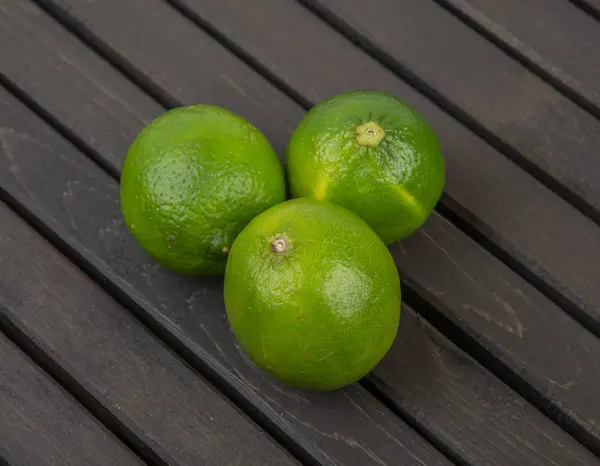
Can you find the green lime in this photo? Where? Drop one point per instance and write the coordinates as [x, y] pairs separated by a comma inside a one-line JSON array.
[[312, 294], [371, 153], [192, 179]]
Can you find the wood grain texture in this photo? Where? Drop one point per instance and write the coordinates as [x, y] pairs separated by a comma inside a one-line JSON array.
[[181, 418], [561, 41], [181, 61], [180, 299], [61, 187], [540, 127], [42, 425], [548, 239], [515, 329], [35, 49], [464, 406]]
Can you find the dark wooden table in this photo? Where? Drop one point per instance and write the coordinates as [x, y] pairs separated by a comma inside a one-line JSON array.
[[108, 359]]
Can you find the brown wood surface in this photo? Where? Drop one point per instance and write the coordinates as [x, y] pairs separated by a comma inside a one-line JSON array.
[[553, 37], [40, 424], [463, 406], [504, 369], [170, 55]]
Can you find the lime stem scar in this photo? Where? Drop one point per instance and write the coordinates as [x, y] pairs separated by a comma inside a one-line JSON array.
[[279, 245], [369, 134]]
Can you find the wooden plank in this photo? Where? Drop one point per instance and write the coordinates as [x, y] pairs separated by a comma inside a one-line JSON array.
[[560, 43], [158, 290], [139, 381], [24, 54], [176, 55], [507, 324], [41, 424], [59, 187], [513, 108], [550, 242], [464, 406]]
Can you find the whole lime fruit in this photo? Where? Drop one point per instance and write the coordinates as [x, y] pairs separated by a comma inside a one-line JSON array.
[[312, 294], [373, 154], [191, 180]]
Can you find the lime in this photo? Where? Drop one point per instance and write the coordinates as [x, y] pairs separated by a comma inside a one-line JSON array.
[[312, 294], [191, 180], [371, 153]]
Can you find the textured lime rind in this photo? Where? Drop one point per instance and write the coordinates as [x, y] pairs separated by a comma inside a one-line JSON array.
[[192, 179], [320, 309], [373, 154]]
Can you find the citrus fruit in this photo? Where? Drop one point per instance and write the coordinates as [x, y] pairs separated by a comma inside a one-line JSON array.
[[312, 294], [191, 180], [371, 153]]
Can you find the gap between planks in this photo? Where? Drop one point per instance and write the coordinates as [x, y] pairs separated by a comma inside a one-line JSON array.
[[469, 345], [592, 9], [119, 63], [523, 59]]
